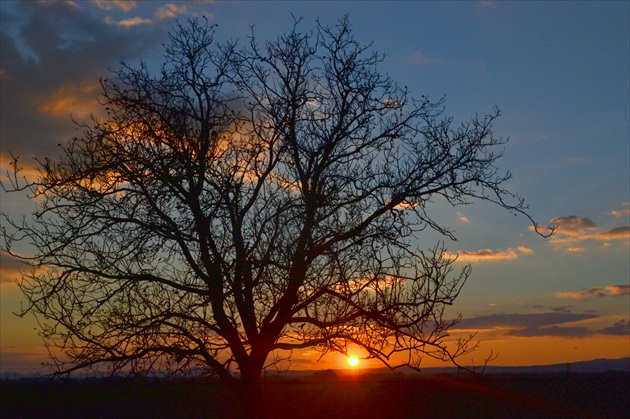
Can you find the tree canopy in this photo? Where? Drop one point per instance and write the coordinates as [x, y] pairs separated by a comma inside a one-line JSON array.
[[252, 199]]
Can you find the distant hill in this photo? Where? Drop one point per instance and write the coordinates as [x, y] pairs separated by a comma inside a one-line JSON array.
[[593, 366]]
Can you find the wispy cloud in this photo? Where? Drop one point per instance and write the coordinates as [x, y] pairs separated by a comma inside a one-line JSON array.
[[168, 11], [419, 58], [620, 213], [574, 249], [126, 23], [10, 268], [490, 254], [124, 5], [562, 309], [486, 5], [604, 291], [463, 218], [23, 359]]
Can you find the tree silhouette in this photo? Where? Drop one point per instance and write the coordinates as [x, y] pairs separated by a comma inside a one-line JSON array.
[[249, 201]]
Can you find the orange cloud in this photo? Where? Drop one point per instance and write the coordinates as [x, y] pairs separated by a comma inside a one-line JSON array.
[[72, 4], [77, 100], [575, 249], [403, 205], [604, 291], [463, 218], [572, 227], [615, 233], [126, 23], [575, 229], [369, 283], [124, 5], [620, 213], [486, 254], [10, 268], [168, 11], [27, 171]]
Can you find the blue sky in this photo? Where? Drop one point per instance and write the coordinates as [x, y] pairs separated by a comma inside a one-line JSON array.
[[559, 72]]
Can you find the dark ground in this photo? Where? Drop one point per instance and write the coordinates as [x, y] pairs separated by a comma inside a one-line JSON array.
[[600, 395]]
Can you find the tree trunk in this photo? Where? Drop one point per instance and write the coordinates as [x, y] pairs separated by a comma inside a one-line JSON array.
[[250, 392]]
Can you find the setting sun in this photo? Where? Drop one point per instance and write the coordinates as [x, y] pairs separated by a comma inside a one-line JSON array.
[[353, 361]]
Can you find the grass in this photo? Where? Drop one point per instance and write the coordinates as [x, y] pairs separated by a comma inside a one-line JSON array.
[[603, 395]]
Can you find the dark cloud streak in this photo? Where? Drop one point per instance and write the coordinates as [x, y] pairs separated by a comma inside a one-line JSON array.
[[517, 320], [558, 331], [544, 325], [620, 328], [10, 268]]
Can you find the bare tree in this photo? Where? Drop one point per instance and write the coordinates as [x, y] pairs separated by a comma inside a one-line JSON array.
[[249, 201]]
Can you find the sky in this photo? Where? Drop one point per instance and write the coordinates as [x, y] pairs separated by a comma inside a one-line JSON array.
[[559, 72]]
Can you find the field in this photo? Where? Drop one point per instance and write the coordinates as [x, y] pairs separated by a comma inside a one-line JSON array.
[[600, 395]]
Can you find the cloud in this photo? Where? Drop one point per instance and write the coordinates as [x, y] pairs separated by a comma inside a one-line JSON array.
[[124, 5], [489, 254], [604, 291], [574, 249], [558, 323], [486, 5], [558, 331], [52, 56], [614, 233], [620, 213], [168, 11], [10, 268], [23, 359], [418, 58], [463, 218], [562, 309], [71, 99], [573, 225], [620, 328], [575, 229], [523, 321], [126, 23]]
